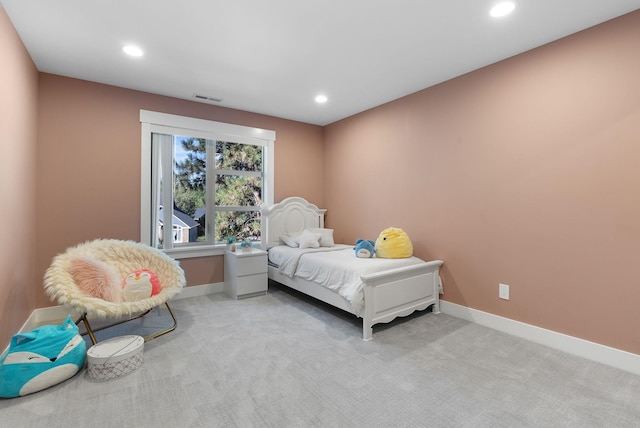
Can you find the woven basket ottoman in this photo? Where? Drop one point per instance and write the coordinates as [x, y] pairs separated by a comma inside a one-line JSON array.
[[115, 357]]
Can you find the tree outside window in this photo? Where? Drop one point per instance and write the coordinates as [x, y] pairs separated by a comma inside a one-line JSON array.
[[233, 187], [215, 177]]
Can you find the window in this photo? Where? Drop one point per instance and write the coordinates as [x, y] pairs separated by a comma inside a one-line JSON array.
[[202, 182]]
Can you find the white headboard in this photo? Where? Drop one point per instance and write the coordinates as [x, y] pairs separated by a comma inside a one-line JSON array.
[[292, 215]]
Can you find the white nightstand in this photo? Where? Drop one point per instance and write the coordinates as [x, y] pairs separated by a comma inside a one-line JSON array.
[[245, 273]]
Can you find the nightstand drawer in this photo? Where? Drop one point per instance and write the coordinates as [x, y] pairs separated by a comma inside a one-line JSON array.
[[248, 285], [251, 265]]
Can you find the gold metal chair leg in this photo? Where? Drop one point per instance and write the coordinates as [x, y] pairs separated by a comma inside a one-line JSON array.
[[90, 331], [87, 326], [170, 329]]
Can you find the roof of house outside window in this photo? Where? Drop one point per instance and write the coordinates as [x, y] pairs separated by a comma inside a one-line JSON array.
[[180, 219]]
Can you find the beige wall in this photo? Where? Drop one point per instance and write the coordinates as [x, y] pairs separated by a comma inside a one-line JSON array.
[[525, 172], [89, 165], [18, 89]]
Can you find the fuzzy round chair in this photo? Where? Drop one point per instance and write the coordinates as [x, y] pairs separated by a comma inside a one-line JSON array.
[[93, 278]]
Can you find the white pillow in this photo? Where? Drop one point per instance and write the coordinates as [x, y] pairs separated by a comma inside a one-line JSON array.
[[326, 236], [289, 240], [308, 239]]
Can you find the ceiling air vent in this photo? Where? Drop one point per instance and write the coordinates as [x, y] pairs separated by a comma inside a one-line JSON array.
[[206, 98]]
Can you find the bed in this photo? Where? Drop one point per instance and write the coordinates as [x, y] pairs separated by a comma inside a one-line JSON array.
[[377, 294]]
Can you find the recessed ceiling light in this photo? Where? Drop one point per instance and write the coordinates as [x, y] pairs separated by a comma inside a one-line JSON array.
[[503, 8], [132, 50], [320, 99]]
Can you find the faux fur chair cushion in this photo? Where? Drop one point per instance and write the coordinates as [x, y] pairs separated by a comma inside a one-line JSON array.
[[123, 257]]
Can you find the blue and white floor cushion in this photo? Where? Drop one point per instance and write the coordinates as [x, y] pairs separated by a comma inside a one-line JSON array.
[[41, 358]]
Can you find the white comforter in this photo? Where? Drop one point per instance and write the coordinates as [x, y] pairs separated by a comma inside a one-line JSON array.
[[336, 268]]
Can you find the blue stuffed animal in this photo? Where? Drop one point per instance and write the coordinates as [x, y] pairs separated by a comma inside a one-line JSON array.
[[41, 358], [365, 248]]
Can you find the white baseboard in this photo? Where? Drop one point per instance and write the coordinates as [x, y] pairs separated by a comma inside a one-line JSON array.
[[49, 315], [57, 314], [572, 345], [200, 290]]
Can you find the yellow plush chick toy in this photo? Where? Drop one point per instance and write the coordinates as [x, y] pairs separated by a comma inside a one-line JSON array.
[[393, 243]]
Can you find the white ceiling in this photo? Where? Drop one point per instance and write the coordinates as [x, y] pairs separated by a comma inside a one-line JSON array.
[[273, 57]]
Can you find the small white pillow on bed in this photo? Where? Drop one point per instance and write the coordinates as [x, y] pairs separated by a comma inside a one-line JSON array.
[[308, 239], [326, 236], [289, 239]]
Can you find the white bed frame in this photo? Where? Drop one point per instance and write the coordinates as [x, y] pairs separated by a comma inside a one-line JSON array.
[[388, 295]]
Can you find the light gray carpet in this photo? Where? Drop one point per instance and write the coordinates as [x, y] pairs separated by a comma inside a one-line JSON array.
[[282, 361]]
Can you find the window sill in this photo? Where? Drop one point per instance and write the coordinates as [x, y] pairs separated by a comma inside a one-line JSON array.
[[204, 251]]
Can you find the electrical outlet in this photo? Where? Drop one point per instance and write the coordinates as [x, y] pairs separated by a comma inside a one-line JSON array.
[[503, 291]]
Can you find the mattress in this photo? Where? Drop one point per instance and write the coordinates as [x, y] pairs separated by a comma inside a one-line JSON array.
[[336, 268]]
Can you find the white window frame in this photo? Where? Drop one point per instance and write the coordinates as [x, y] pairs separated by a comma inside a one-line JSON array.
[[152, 121]]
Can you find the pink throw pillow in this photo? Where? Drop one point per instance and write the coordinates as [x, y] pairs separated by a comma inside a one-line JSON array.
[[96, 278]]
